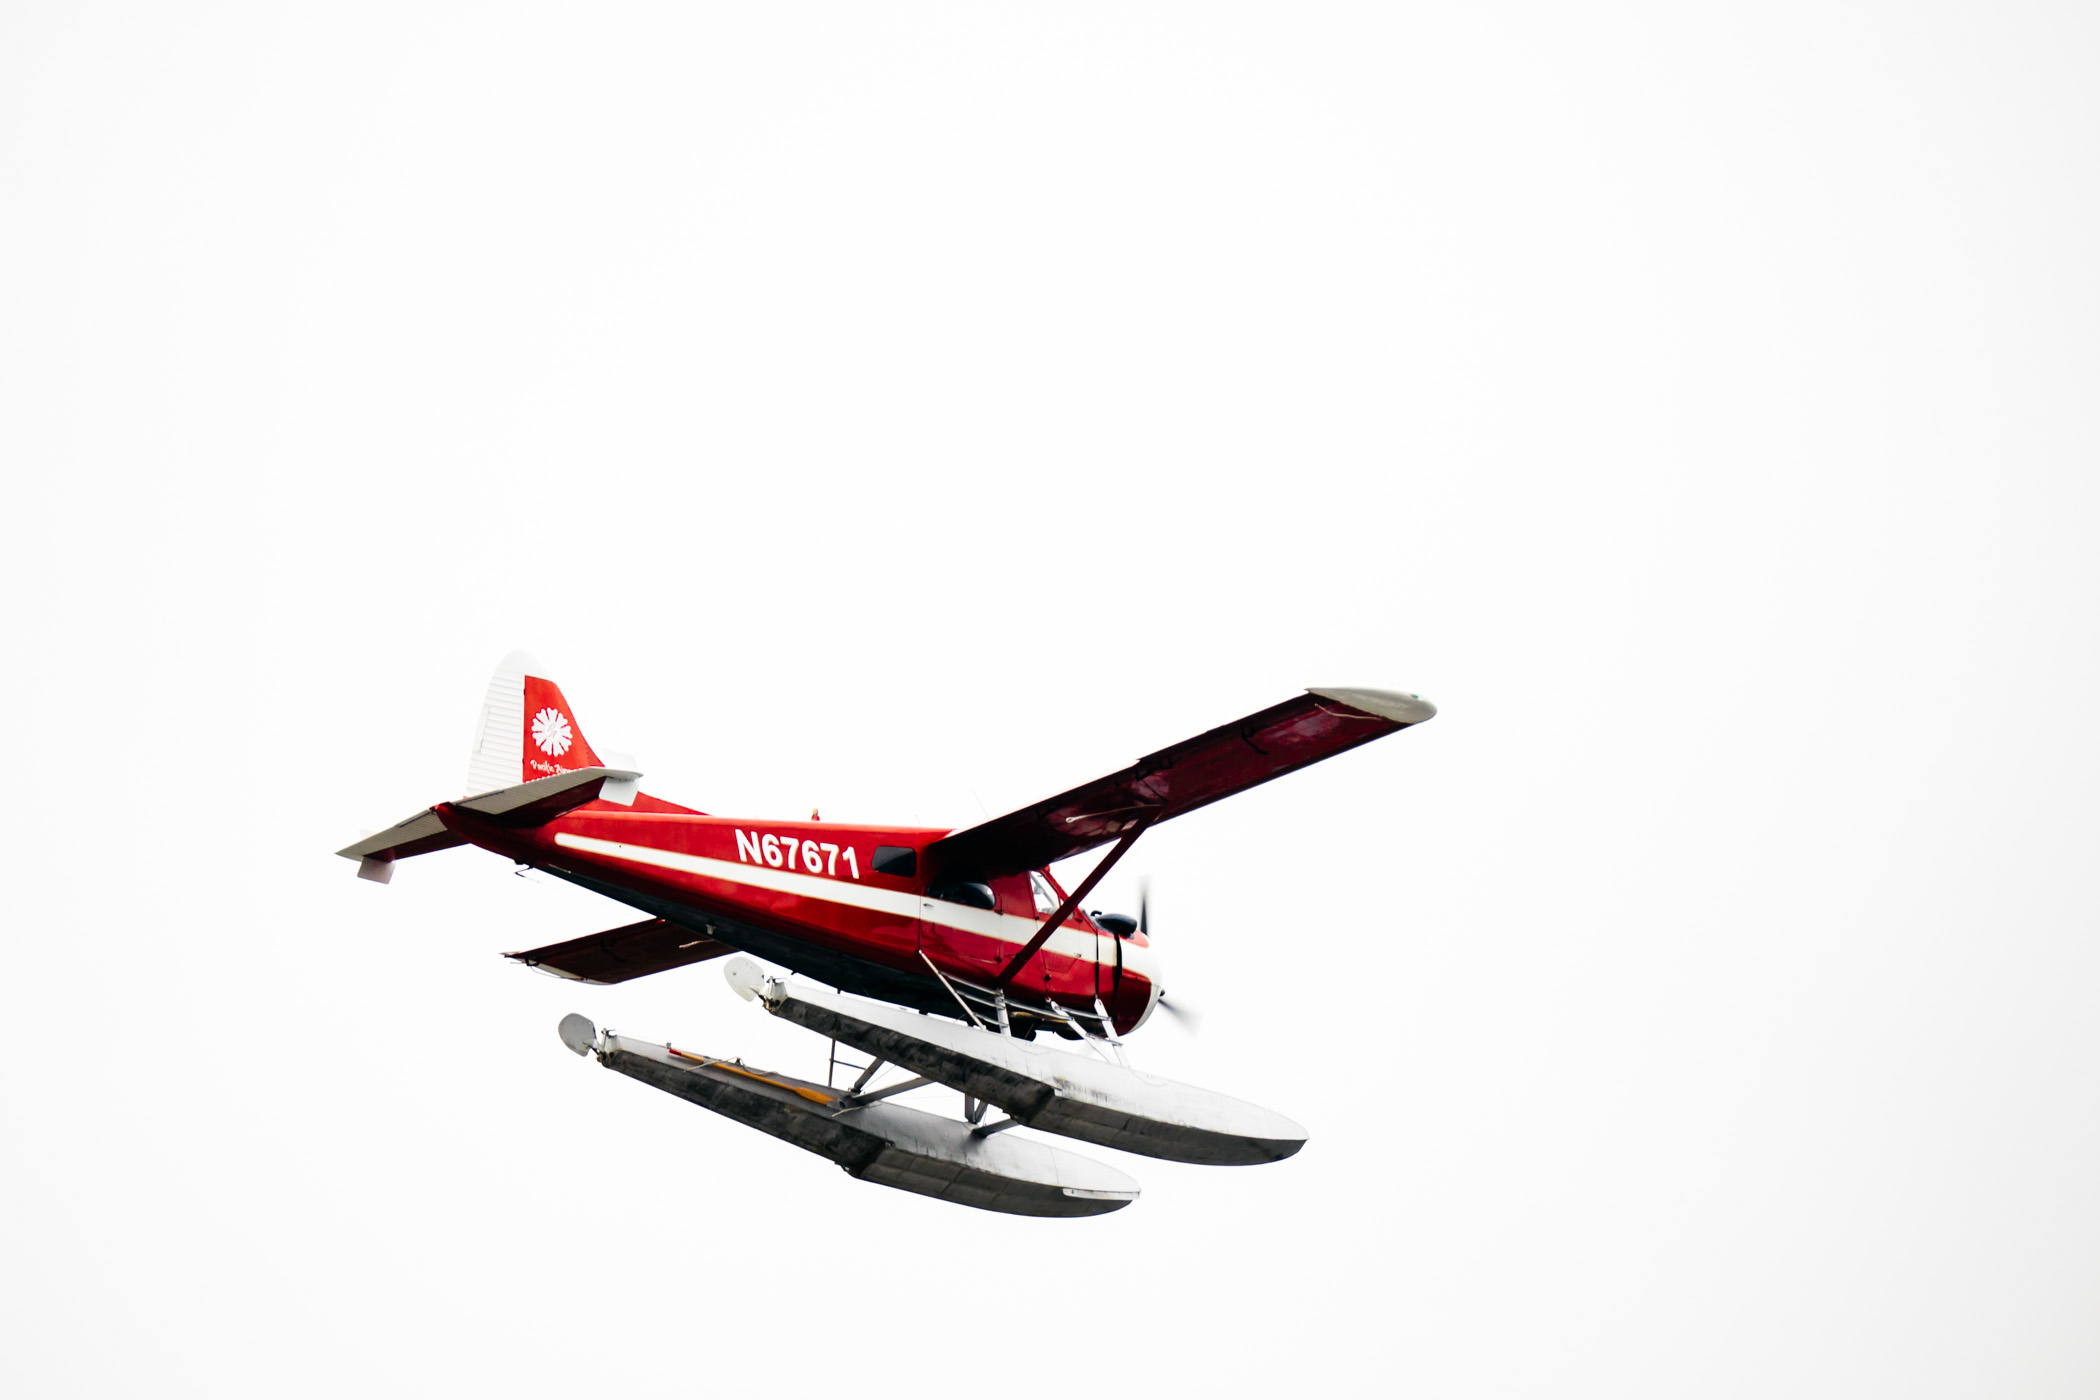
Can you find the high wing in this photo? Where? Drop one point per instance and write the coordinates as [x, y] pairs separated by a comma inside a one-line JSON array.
[[1191, 774]]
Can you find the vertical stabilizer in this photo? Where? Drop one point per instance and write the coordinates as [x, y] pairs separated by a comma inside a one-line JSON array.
[[527, 730]]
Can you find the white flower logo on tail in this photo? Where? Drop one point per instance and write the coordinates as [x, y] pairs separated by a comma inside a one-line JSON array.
[[551, 732]]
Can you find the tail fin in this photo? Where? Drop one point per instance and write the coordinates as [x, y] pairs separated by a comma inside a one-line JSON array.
[[527, 741], [527, 730]]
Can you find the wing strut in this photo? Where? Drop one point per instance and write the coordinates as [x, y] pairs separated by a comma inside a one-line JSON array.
[[1064, 911]]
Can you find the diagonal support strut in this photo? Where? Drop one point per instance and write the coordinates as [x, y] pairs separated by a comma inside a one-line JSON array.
[[1064, 911]]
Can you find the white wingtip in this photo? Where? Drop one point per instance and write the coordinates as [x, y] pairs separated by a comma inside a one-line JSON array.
[[1399, 706]]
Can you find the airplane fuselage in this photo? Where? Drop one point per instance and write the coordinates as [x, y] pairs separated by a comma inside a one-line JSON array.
[[852, 906]]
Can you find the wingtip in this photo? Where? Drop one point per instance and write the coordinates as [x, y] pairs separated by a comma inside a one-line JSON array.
[[1399, 706]]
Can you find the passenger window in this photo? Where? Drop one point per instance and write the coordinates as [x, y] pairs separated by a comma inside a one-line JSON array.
[[973, 893], [1046, 900], [896, 860]]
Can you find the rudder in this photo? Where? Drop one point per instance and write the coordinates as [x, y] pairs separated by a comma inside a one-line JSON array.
[[527, 730]]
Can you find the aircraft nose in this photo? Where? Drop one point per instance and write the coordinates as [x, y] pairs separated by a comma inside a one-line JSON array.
[[1152, 995], [1143, 961]]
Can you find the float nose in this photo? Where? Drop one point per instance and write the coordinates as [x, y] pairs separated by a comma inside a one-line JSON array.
[[578, 1033]]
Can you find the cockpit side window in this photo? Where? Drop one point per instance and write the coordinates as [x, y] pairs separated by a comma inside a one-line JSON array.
[[1046, 900]]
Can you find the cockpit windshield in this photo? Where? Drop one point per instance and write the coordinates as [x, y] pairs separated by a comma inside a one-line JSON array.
[[1046, 900]]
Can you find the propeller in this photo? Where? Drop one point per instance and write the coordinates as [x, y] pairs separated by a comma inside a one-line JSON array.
[[1190, 1018]]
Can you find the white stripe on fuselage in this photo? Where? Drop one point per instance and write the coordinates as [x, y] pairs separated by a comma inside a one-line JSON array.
[[1006, 928]]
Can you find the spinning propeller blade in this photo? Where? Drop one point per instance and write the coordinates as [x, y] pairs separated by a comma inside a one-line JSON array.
[[1190, 1018]]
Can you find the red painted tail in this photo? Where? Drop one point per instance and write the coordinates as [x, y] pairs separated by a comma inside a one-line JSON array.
[[527, 730]]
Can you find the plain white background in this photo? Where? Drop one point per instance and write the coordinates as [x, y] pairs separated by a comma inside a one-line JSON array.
[[911, 410]]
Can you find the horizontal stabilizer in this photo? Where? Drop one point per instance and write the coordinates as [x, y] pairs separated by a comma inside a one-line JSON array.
[[544, 799], [622, 954], [524, 804], [418, 835]]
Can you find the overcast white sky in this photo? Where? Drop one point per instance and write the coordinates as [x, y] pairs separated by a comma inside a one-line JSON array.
[[910, 410]]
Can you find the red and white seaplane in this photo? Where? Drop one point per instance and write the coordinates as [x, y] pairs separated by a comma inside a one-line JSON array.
[[952, 952]]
